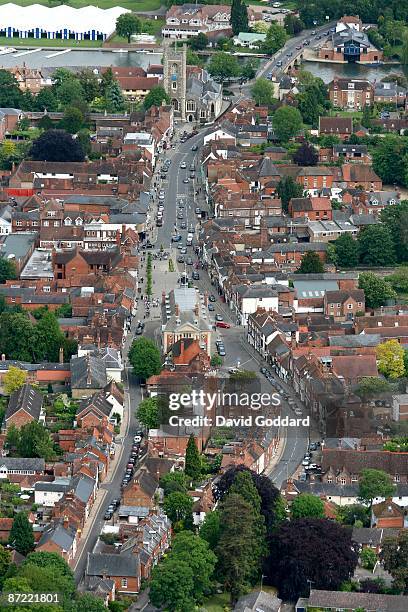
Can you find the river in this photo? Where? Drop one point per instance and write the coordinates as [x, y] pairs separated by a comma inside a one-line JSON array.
[[327, 71], [44, 58]]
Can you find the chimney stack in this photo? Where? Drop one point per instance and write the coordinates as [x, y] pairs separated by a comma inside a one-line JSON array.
[[176, 310], [61, 355]]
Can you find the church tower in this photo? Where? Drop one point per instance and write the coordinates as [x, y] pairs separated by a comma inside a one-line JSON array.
[[175, 77]]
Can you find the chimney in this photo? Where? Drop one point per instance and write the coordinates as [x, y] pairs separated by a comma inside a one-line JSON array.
[[61, 355], [163, 297], [196, 310], [66, 522], [176, 310]]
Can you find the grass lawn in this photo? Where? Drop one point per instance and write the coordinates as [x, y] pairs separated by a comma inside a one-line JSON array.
[[216, 603], [46, 42], [134, 5], [345, 113]]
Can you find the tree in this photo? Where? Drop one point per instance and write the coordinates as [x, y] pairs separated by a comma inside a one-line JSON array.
[[57, 146], [311, 264], [293, 25], [390, 358], [14, 379], [7, 270], [368, 558], [172, 586], [89, 603], [248, 71], [347, 251], [69, 91], [210, 529], [193, 58], [272, 506], [107, 79], [47, 337], [178, 506], [54, 561], [287, 122], [115, 102], [399, 280], [216, 361], [72, 120], [128, 24], [193, 550], [394, 555], [155, 97], [173, 481], [275, 39], [5, 562], [193, 463], [353, 514], [238, 550], [310, 549], [144, 357], [374, 483], [199, 42], [148, 413], [370, 386], [84, 139], [376, 290], [10, 93], [35, 441], [262, 92], [376, 246], [223, 67], [89, 83], [396, 219], [307, 505], [21, 534], [312, 99], [287, 189], [306, 155], [239, 17], [45, 123], [389, 159]]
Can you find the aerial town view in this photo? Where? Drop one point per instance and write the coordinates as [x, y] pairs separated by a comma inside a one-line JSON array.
[[204, 306]]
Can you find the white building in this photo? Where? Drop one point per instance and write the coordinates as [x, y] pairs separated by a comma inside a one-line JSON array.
[[63, 22], [49, 493]]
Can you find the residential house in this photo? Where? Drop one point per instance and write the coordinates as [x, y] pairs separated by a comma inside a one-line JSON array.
[[258, 601], [16, 469], [49, 493], [94, 410], [332, 601], [25, 405], [123, 570], [349, 45], [5, 528], [141, 490], [345, 466], [360, 176], [314, 209], [353, 94], [344, 305], [61, 539], [387, 514], [336, 126], [390, 93], [88, 376], [187, 20]]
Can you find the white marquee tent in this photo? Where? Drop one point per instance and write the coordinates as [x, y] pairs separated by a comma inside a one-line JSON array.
[[37, 21]]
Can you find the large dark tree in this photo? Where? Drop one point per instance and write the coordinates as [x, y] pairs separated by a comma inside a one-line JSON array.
[[396, 219], [310, 549], [287, 189], [376, 246], [395, 559], [347, 252], [193, 463], [144, 356], [7, 270], [239, 16], [271, 502], [155, 97], [311, 264], [57, 146], [306, 155], [21, 534]]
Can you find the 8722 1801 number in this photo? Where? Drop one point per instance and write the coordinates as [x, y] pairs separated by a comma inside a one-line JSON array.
[[13, 599]]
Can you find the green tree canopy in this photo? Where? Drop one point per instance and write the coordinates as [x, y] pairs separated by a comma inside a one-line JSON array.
[[287, 189], [394, 555], [144, 356], [14, 379], [370, 386], [155, 97], [178, 506], [192, 549], [376, 246], [311, 264], [287, 122], [173, 481], [72, 120], [396, 219], [262, 92], [307, 505], [128, 24], [7, 270], [390, 159], [21, 534], [148, 413], [374, 483], [376, 290], [210, 529], [35, 441], [347, 251], [115, 102], [390, 359], [239, 17], [89, 83], [172, 585], [276, 37], [223, 67], [199, 42], [193, 463]]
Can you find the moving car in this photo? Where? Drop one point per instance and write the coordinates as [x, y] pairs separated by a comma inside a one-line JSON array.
[[180, 259], [189, 261], [223, 324], [211, 307], [212, 298], [176, 238], [194, 148], [186, 180], [218, 317], [196, 276], [183, 165]]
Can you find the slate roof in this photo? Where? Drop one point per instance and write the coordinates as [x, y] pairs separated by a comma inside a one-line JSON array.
[[112, 565], [98, 401], [58, 534], [22, 463], [372, 535], [355, 341], [83, 487], [52, 486], [88, 373], [26, 398], [258, 601], [350, 601]]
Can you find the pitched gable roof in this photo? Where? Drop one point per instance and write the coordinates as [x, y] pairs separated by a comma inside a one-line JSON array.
[[26, 398]]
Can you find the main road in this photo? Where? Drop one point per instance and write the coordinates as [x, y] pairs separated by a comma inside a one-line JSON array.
[[238, 352]]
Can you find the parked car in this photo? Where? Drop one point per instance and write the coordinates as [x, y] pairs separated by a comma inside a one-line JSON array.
[[189, 261], [183, 165], [108, 515], [223, 324], [313, 446], [176, 238], [186, 180], [212, 298], [183, 250], [196, 275], [198, 210], [218, 317], [305, 462], [180, 259], [211, 307], [194, 148], [137, 438]]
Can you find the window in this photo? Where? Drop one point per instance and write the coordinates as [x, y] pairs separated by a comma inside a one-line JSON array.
[[174, 85], [329, 480], [124, 583], [342, 481], [46, 223], [397, 478], [349, 306]]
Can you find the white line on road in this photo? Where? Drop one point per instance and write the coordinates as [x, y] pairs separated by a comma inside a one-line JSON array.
[[27, 52], [58, 53]]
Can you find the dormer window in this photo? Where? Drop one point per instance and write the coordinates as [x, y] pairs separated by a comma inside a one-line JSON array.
[[68, 221]]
